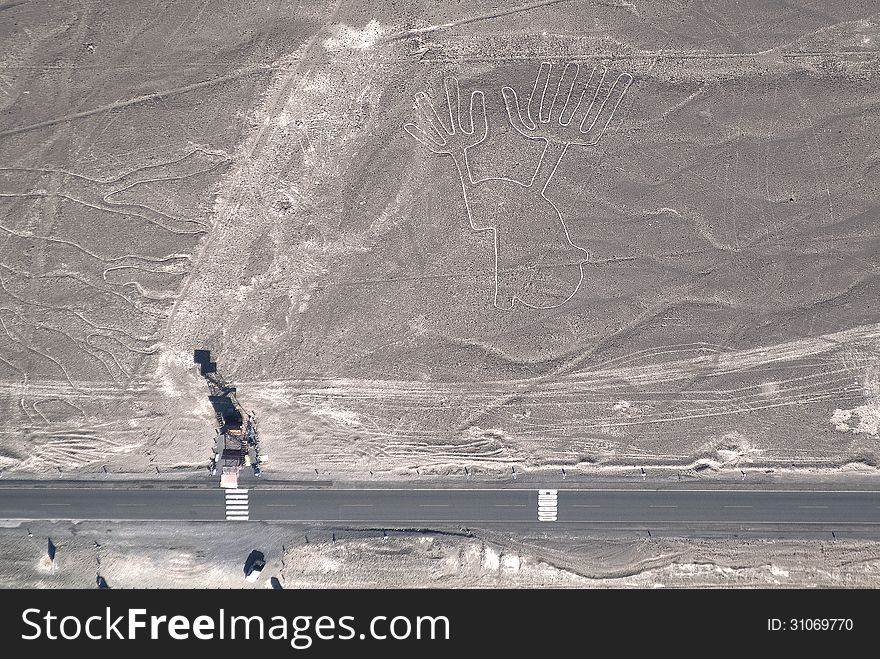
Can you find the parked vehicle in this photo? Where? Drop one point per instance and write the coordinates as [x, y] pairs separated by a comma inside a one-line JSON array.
[[255, 569]]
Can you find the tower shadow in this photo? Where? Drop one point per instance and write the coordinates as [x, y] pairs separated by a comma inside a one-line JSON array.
[[237, 441], [222, 394]]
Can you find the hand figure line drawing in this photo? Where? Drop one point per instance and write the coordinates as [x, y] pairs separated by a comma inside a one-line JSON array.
[[535, 261]]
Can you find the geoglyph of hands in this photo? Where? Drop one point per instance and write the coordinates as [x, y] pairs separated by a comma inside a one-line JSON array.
[[536, 263]]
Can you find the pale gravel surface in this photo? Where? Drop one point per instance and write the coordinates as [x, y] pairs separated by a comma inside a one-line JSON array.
[[281, 216], [258, 196], [197, 556]]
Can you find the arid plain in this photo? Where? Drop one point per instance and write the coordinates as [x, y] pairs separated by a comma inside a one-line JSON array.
[[687, 285]]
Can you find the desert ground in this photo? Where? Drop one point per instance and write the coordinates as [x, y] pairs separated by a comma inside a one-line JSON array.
[[687, 284], [129, 555], [167, 185]]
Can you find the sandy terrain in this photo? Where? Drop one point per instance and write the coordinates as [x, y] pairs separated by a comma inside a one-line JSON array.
[[195, 556], [166, 185], [458, 562], [692, 289], [137, 556]]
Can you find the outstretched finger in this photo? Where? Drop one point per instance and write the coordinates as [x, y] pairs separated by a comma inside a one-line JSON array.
[[604, 111], [479, 124], [430, 120], [423, 138], [536, 100], [587, 98], [453, 103], [514, 115], [563, 91]]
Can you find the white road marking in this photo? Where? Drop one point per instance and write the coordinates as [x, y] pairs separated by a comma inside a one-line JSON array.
[[816, 507], [662, 506], [548, 503], [737, 506], [237, 505]]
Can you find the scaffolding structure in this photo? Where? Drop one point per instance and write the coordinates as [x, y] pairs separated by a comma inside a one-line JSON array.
[[237, 442]]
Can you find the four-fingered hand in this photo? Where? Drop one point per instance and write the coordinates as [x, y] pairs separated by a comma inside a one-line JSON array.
[[577, 113], [449, 135]]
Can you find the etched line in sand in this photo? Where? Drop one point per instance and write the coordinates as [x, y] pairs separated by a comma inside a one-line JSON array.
[[578, 114], [96, 193]]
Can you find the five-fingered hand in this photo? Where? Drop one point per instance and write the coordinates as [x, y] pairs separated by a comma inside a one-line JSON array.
[[575, 113]]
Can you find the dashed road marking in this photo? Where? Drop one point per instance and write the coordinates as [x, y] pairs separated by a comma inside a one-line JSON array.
[[237, 505], [548, 501]]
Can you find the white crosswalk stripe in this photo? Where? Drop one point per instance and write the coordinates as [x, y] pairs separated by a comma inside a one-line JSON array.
[[237, 505], [548, 501]]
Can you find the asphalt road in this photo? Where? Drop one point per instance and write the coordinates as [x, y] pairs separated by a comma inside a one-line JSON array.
[[600, 508]]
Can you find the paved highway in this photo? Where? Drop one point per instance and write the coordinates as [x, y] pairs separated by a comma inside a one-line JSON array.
[[731, 508]]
